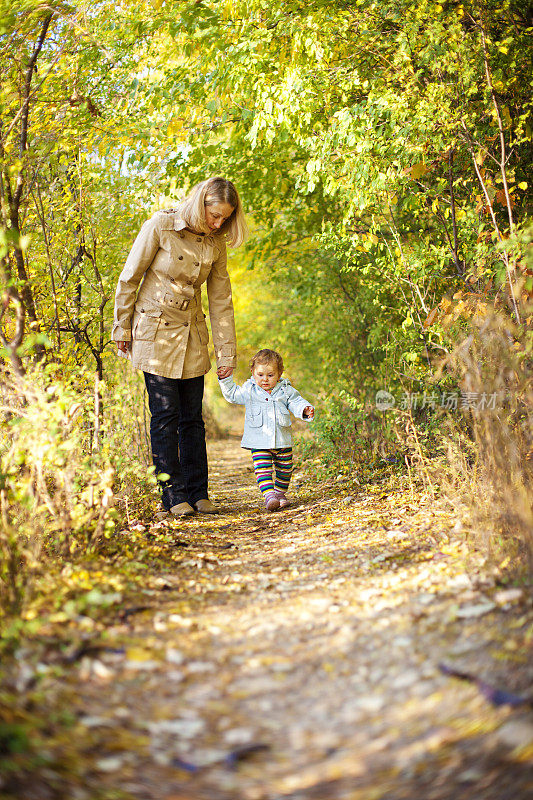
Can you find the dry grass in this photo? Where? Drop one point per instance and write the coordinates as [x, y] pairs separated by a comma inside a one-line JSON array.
[[491, 458]]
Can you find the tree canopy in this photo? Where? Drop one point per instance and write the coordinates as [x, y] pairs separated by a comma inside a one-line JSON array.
[[381, 150]]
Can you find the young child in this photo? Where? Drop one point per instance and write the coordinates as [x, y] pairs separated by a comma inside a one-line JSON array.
[[267, 425]]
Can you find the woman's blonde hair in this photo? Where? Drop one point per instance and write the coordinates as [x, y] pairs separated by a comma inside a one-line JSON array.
[[206, 193]]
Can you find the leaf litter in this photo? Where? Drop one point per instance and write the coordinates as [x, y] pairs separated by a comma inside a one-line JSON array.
[[303, 654]]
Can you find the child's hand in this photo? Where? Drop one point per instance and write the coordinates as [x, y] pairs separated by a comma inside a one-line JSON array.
[[224, 372], [309, 412]]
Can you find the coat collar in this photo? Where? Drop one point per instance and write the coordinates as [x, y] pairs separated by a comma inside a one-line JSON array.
[[179, 223], [274, 390], [173, 222]]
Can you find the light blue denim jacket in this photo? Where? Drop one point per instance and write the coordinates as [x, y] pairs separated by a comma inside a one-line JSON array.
[[267, 422]]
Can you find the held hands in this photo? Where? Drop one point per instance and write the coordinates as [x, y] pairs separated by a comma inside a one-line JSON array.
[[308, 412], [224, 372], [123, 346]]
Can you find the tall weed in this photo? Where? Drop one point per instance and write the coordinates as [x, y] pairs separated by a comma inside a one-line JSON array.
[[494, 477]]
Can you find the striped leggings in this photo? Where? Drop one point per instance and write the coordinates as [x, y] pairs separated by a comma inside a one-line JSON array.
[[281, 461]]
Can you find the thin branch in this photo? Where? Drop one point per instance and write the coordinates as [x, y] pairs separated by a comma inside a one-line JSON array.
[[350, 297], [455, 248], [503, 159], [494, 222], [39, 207], [33, 92], [27, 88], [11, 345]]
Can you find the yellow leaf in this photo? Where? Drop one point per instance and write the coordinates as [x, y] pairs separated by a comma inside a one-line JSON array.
[[524, 754], [522, 185], [175, 125], [418, 170], [138, 654], [431, 317]]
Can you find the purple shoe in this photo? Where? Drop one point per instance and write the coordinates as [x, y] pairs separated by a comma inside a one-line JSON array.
[[272, 501], [283, 501]]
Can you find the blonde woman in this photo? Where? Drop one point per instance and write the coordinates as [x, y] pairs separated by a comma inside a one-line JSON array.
[[160, 326]]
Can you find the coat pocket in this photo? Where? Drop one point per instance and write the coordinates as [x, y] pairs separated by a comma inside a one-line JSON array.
[[203, 333], [145, 325], [284, 419], [254, 416]]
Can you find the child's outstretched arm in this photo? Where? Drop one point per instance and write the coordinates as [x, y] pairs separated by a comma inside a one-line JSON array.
[[232, 392], [300, 407]]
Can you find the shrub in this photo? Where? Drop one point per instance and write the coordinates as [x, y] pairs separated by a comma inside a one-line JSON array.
[[59, 482]]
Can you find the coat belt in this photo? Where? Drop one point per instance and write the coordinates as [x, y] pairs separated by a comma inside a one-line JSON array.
[[174, 309]]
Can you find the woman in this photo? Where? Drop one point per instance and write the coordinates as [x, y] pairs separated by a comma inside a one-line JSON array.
[[160, 326]]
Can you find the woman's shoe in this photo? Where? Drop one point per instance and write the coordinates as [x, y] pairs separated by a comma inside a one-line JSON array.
[[182, 510], [205, 506]]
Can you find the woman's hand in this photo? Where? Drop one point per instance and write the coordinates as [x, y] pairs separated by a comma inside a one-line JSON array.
[[123, 346], [309, 412], [224, 372]]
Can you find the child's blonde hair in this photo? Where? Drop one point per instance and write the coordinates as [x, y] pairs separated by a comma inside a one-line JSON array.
[[267, 357]]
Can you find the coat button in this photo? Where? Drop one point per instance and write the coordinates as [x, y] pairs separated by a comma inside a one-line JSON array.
[[166, 323], [189, 283], [196, 263], [185, 324], [198, 238], [173, 280], [180, 258], [182, 236]]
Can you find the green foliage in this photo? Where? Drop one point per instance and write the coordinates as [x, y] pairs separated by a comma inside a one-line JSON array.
[[60, 492], [366, 140], [381, 150]]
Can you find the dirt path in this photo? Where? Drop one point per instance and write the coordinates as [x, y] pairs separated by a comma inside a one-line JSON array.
[[296, 655]]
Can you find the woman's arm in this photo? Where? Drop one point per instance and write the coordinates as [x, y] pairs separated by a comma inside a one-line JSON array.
[[221, 312], [139, 259]]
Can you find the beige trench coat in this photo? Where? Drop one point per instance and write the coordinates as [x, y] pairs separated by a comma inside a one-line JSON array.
[[158, 302]]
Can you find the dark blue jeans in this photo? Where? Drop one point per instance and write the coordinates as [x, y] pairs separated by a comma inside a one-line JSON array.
[[177, 433]]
